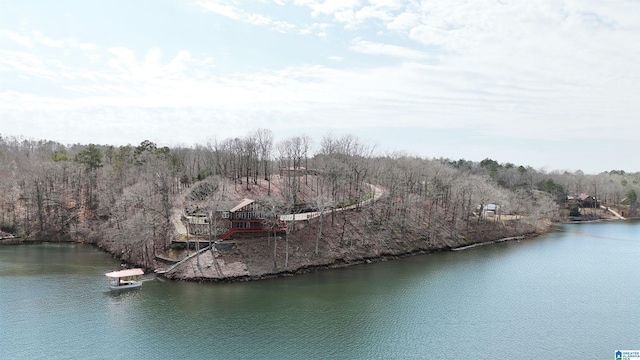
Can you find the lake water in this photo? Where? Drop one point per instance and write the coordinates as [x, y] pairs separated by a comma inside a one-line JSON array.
[[574, 294]]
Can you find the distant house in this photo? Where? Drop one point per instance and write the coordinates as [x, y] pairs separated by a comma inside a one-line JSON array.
[[197, 223], [488, 210], [198, 219], [583, 200], [292, 171]]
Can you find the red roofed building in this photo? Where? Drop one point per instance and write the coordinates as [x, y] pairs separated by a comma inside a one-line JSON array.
[[248, 218]]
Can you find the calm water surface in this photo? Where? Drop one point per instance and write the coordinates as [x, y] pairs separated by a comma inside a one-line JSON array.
[[574, 294]]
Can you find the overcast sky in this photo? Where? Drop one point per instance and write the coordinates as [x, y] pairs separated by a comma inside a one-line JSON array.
[[553, 84]]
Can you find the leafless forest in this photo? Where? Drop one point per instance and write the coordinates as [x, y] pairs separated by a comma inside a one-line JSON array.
[[123, 198]]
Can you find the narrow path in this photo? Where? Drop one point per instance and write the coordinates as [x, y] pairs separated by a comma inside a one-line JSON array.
[[377, 194], [176, 214]]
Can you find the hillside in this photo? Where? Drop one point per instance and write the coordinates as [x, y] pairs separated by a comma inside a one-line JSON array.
[[132, 201], [354, 236]]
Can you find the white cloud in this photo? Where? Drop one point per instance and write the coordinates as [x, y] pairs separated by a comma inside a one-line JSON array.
[[347, 16], [378, 10], [409, 95], [222, 7], [319, 29], [540, 69], [328, 7], [124, 58], [404, 22], [373, 48], [17, 38], [37, 37], [224, 10], [25, 64], [351, 13]]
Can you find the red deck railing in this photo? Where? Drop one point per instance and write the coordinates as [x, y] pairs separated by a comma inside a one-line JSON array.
[[280, 228]]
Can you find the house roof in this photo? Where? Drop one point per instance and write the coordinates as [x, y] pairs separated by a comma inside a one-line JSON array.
[[491, 207], [224, 205], [244, 203]]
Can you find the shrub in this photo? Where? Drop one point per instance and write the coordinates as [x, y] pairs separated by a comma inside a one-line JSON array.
[[8, 228], [574, 211], [177, 246]]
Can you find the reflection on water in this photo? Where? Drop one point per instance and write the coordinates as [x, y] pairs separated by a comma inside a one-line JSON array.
[[531, 299]]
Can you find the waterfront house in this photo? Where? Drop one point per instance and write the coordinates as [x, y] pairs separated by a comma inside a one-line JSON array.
[[248, 218], [583, 200]]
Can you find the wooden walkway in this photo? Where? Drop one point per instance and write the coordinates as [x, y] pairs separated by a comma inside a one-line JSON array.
[[606, 208], [164, 271], [194, 242]]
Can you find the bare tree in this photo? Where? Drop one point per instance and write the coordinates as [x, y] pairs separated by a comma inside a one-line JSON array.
[[264, 138], [321, 204]]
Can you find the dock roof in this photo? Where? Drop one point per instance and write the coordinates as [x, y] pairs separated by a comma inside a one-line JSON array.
[[124, 273]]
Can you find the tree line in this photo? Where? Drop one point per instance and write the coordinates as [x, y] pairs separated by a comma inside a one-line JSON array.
[[123, 198]]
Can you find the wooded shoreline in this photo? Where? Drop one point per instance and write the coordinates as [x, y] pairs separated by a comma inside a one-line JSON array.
[[138, 202], [336, 264]]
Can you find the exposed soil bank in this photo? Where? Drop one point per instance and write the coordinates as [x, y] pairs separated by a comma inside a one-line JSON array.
[[266, 258], [253, 258], [337, 264]]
